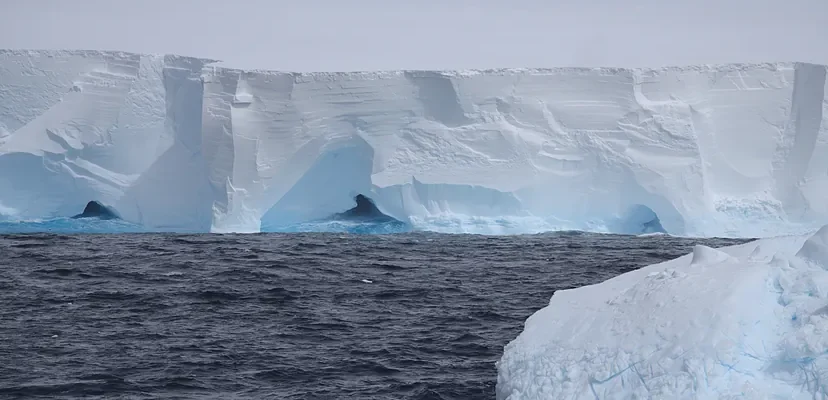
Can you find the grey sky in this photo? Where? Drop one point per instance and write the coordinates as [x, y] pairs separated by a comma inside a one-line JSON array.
[[427, 34]]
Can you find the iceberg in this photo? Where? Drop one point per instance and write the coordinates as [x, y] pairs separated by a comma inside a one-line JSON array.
[[175, 142], [747, 321]]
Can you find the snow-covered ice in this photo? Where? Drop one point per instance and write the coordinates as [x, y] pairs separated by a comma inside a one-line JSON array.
[[748, 322], [179, 142]]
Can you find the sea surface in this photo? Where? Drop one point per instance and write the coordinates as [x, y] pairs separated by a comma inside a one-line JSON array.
[[284, 316]]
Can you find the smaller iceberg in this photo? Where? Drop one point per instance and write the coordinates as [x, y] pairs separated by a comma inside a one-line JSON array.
[[747, 321]]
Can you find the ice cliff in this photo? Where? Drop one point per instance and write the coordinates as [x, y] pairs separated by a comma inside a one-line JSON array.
[[182, 143]]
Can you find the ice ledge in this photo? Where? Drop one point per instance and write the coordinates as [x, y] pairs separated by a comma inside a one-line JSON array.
[[219, 65]]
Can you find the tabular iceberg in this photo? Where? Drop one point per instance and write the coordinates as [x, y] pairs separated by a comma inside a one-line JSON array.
[[182, 143], [747, 322]]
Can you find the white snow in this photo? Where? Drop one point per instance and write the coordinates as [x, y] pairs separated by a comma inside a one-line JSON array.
[[747, 322], [178, 142]]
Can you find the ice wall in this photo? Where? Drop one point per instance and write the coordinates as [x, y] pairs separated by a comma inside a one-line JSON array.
[[121, 128], [179, 142]]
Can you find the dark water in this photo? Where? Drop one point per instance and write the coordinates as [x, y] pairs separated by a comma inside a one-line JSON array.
[[283, 316]]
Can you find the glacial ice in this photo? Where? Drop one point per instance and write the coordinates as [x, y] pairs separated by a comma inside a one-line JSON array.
[[175, 142], [747, 321]]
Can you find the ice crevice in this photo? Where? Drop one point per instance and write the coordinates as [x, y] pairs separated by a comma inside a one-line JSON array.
[[174, 141]]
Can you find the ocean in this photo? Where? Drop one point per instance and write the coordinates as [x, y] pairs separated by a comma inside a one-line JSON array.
[[285, 316]]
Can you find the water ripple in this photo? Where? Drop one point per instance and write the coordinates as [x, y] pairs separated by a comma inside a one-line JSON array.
[[288, 316]]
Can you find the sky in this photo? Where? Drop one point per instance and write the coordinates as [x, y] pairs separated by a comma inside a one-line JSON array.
[[348, 35]]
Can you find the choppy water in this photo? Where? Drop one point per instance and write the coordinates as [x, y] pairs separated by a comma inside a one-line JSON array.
[[284, 316]]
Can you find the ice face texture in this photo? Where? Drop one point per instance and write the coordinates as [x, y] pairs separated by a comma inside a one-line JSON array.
[[179, 142], [748, 321]]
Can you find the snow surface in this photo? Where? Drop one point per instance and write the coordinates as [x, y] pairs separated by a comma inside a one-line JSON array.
[[747, 322], [178, 142]]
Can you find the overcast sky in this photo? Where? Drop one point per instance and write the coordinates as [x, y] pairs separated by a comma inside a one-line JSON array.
[[342, 35]]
